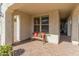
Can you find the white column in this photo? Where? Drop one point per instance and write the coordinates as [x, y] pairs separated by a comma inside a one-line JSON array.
[[18, 27]]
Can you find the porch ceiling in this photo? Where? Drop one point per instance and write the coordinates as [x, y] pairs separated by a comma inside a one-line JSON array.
[[36, 8]]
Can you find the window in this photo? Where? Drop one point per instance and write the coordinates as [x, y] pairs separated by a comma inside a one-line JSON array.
[[45, 28], [36, 28], [44, 20], [36, 20], [36, 24], [41, 24]]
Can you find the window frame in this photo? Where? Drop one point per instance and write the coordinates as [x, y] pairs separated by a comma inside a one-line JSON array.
[[40, 25]]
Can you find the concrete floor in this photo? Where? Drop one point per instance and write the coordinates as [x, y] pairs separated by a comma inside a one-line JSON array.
[[37, 48]]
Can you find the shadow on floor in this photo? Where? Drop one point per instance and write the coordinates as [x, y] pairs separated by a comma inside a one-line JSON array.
[[64, 38], [18, 52], [23, 42]]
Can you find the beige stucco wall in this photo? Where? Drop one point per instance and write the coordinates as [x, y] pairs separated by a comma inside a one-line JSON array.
[[75, 25], [54, 23], [75, 29], [25, 25]]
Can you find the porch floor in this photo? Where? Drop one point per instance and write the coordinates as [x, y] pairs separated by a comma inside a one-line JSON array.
[[37, 48]]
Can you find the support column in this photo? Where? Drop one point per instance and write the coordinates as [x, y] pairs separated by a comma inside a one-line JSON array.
[[75, 31], [69, 28], [17, 28], [54, 27], [7, 28]]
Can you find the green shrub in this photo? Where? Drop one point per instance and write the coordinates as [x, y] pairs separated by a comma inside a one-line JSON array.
[[6, 50]]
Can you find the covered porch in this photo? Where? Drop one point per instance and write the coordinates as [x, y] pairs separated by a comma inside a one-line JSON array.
[[19, 22]]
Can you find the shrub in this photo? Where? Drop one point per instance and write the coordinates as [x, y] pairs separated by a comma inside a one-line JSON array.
[[6, 50]]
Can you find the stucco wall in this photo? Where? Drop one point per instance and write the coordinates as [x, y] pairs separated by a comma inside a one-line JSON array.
[[75, 25], [7, 28], [54, 23], [75, 29], [25, 25]]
